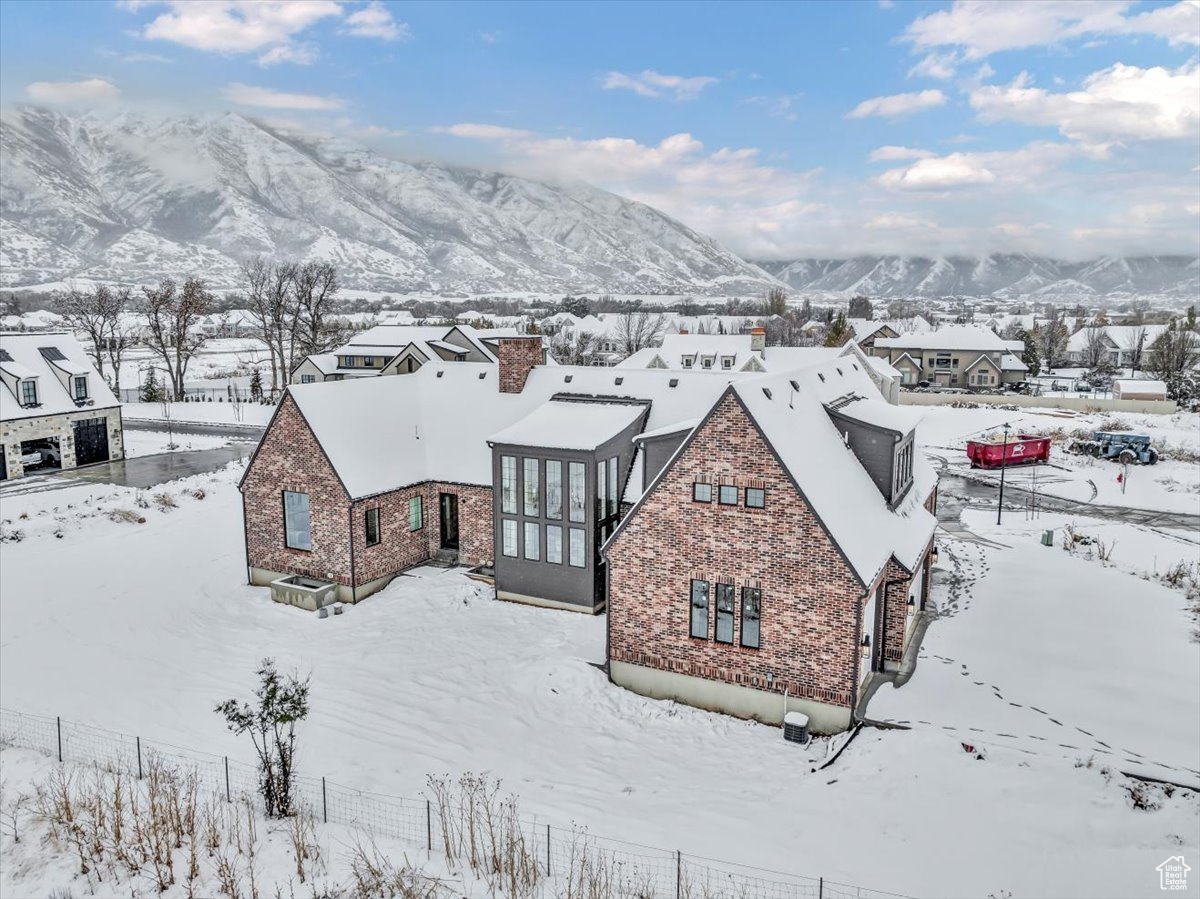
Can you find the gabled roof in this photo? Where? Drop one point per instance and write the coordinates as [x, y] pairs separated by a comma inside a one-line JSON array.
[[28, 361], [968, 338], [571, 425]]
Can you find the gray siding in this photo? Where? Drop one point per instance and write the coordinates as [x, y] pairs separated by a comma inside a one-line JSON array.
[[874, 447], [657, 451]]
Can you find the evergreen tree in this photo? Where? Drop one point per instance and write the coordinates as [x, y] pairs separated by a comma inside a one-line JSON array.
[[776, 302], [860, 307], [1030, 354], [839, 331], [256, 393], [152, 390]]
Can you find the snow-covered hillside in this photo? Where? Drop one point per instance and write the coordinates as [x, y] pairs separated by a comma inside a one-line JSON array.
[[999, 275], [135, 198]]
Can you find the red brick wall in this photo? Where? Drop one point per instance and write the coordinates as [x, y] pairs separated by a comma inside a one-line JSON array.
[[517, 356], [810, 598], [289, 458], [895, 616]]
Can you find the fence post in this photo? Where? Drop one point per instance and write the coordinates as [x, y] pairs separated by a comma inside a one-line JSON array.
[[58, 722], [139, 747], [820, 888], [227, 796], [428, 827], [678, 874], [324, 802], [547, 850]]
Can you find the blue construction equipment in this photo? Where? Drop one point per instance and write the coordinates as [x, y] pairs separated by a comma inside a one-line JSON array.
[[1117, 446]]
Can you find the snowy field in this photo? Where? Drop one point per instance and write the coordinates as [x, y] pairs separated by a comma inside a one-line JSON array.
[[147, 626], [216, 413], [149, 443]]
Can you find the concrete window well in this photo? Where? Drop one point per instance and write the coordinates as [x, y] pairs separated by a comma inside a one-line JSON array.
[[303, 592]]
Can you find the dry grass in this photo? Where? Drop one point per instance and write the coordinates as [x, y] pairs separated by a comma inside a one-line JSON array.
[[126, 516]]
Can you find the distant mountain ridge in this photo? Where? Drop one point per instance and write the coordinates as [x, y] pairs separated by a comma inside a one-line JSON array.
[[136, 198], [1002, 276]]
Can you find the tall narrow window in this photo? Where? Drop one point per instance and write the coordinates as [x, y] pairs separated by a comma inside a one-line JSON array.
[[601, 488], [751, 617], [508, 529], [533, 541], [29, 393], [725, 601], [553, 488], [554, 544], [612, 486], [416, 514], [576, 478], [531, 477], [297, 520], [81, 387], [699, 616], [508, 484], [372, 526], [578, 557]]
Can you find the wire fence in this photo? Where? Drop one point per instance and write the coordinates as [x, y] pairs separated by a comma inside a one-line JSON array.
[[559, 851]]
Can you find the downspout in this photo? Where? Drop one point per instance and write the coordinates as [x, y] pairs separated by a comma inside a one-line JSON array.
[[854, 656], [353, 570]]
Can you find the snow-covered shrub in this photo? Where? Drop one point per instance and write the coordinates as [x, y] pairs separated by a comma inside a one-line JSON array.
[[165, 502], [126, 516], [11, 535], [141, 502], [199, 493]]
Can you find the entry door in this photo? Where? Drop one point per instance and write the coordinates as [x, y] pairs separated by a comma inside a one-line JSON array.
[[449, 519], [91, 441]]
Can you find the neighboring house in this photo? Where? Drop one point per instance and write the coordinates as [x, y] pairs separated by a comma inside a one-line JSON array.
[[1136, 389], [1119, 344], [779, 555], [400, 350], [55, 409], [965, 356], [864, 331]]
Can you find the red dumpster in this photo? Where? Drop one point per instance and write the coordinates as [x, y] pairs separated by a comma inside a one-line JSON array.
[[992, 452]]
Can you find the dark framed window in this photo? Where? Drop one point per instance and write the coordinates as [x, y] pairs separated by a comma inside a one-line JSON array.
[[601, 488], [373, 536], [701, 493], [508, 485], [508, 530], [307, 379], [533, 541], [577, 557], [554, 548], [752, 617], [756, 497], [29, 393], [725, 606], [416, 513], [81, 387], [297, 519], [728, 495], [612, 486], [576, 490], [531, 484], [553, 488], [699, 610]]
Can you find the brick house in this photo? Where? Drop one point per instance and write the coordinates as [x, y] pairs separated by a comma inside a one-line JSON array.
[[776, 560], [55, 409]]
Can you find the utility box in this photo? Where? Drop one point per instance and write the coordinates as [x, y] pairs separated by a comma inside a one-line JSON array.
[[795, 727], [1048, 537]]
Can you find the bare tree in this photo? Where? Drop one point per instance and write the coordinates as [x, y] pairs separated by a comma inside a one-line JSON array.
[[273, 310], [89, 312], [173, 316], [1051, 337], [570, 346], [1174, 352], [124, 331], [315, 287], [638, 330], [1135, 343], [1095, 346]]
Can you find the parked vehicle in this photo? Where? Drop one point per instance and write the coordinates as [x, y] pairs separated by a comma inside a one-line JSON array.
[[1082, 386], [41, 455], [1118, 446], [993, 452]]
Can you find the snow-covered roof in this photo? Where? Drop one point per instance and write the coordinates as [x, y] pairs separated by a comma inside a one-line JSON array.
[[26, 360], [870, 409], [676, 347], [1136, 385], [1124, 337], [1010, 362], [969, 338], [571, 425]]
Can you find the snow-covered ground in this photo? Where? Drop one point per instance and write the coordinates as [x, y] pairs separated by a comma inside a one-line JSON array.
[[218, 413], [1173, 484], [149, 625], [219, 358], [148, 443]]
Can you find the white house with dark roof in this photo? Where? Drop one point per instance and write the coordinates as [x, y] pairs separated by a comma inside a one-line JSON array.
[[55, 409]]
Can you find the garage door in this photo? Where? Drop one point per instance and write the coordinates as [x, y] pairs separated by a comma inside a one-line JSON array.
[[91, 441], [3, 464]]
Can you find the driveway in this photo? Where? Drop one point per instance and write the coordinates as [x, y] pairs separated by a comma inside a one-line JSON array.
[[141, 472]]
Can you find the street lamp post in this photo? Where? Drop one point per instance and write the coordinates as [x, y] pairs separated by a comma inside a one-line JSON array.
[[1003, 465]]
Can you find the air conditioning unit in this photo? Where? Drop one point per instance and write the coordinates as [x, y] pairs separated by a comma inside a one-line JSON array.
[[795, 727]]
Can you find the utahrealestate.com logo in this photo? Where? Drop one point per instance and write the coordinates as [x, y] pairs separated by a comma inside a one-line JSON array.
[[1172, 874]]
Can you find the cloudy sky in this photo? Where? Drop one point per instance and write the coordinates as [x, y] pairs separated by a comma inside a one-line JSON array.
[[1063, 127]]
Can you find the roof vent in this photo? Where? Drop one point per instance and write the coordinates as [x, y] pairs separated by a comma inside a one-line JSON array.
[[674, 382], [4, 357], [440, 373], [619, 381], [855, 364], [482, 375], [821, 376], [795, 385], [567, 379], [767, 392], [839, 371]]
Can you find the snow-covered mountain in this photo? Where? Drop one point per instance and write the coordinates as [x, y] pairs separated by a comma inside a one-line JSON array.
[[134, 198], [997, 275]]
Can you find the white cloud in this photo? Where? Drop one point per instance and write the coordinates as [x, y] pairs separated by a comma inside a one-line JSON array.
[[939, 173], [893, 153], [1011, 170], [266, 98], [649, 83], [781, 107], [894, 221], [89, 90], [479, 131], [897, 105], [983, 27], [237, 26], [301, 54], [133, 57], [490, 37], [376, 20], [941, 66], [1119, 102]]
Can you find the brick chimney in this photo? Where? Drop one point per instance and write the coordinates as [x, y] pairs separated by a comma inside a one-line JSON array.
[[758, 340], [683, 330], [518, 356]]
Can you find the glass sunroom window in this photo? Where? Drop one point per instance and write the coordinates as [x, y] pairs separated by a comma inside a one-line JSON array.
[[553, 488], [297, 520], [530, 485], [577, 489], [508, 484]]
